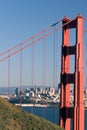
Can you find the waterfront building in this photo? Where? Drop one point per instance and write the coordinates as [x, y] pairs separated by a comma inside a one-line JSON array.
[[51, 91]]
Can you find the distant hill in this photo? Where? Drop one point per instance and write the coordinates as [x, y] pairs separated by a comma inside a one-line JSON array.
[[13, 118]]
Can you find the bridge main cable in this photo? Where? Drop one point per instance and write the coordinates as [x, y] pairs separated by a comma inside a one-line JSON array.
[[44, 30], [32, 43], [32, 37]]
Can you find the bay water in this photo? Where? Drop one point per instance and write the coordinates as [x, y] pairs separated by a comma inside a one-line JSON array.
[[49, 113]]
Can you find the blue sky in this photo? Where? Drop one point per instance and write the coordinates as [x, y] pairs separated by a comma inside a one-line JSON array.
[[20, 19]]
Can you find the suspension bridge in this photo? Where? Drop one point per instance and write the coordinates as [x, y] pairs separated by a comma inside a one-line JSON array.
[[52, 56]]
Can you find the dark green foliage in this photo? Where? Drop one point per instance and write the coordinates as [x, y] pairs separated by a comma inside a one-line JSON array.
[[13, 118]]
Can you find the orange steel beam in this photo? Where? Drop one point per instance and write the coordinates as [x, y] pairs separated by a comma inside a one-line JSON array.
[[77, 78], [65, 89], [79, 74]]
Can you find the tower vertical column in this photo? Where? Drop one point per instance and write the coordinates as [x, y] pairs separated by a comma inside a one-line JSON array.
[[79, 77], [65, 90], [76, 78]]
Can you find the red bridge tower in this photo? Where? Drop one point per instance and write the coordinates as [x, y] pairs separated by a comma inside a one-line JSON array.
[[77, 78]]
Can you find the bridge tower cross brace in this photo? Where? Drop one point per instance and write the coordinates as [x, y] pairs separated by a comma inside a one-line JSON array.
[[77, 78]]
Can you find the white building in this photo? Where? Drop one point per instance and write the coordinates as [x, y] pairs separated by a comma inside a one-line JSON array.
[[51, 91]]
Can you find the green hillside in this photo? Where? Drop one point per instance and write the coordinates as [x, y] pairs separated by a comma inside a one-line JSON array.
[[13, 118]]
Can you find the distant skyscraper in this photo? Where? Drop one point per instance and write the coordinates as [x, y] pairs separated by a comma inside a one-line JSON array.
[[16, 92], [35, 89]]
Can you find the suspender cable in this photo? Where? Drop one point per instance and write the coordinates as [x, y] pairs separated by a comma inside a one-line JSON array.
[[9, 76], [54, 42], [32, 74], [54, 70], [44, 63], [21, 59], [44, 71], [56, 60], [32, 67]]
